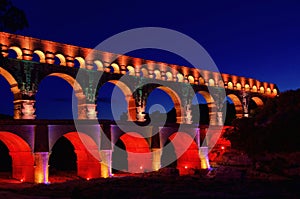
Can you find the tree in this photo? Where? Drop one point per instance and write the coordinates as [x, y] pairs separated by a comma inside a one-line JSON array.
[[12, 18]]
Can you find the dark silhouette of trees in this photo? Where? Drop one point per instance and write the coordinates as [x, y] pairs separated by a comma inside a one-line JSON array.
[[274, 129], [11, 17]]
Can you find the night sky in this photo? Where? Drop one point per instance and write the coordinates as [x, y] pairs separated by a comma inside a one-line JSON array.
[[258, 39]]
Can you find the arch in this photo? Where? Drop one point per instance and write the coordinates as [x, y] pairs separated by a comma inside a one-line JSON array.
[[254, 89], [21, 154], [18, 51], [99, 65], [87, 153], [275, 91], [176, 100], [41, 55], [191, 79], [230, 85], [212, 109], [77, 91], [211, 82], [129, 98], [157, 74], [116, 68], [258, 101], [268, 91], [144, 72], [237, 104], [62, 59], [247, 87], [81, 62], [180, 77], [238, 86], [130, 70], [138, 150], [186, 151], [201, 81], [169, 76], [11, 80], [262, 89]]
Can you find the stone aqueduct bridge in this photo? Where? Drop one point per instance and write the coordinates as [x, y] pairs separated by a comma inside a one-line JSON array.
[[30, 140]]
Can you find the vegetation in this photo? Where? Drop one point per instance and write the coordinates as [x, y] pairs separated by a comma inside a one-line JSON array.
[[274, 129]]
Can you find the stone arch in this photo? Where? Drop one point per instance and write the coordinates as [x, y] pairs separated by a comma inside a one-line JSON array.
[[62, 59], [254, 88], [41, 55], [138, 150], [238, 86], [211, 82], [268, 91], [180, 77], [18, 51], [258, 101], [87, 153], [186, 150], [157, 74], [99, 65], [21, 154], [262, 89], [211, 105], [176, 100], [131, 70], [81, 62], [11, 80], [230, 85], [129, 98], [77, 91], [247, 87], [237, 104], [144, 72], [191, 79], [169, 76], [116, 68], [275, 92]]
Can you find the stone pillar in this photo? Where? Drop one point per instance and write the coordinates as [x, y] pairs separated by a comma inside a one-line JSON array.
[[91, 111], [245, 103], [41, 169], [220, 118], [106, 161], [156, 159], [203, 153], [28, 109], [140, 116], [188, 114]]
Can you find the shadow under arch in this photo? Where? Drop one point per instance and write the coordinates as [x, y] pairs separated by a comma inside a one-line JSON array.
[[21, 155], [138, 153], [211, 106], [11, 80], [87, 154]]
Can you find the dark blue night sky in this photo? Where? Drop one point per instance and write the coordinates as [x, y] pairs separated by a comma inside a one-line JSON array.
[[258, 39]]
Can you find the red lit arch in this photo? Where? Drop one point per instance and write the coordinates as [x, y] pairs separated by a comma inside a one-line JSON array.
[[186, 151], [21, 154], [87, 153], [138, 150]]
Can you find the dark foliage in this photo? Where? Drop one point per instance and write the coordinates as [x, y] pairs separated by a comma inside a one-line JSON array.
[[274, 129]]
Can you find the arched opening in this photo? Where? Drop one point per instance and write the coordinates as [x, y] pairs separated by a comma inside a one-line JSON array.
[[201, 81], [157, 74], [15, 52], [230, 85], [191, 79], [74, 154], [79, 62], [54, 98], [59, 59], [62, 161], [38, 56], [168, 156], [7, 99], [254, 89], [255, 104], [180, 77], [115, 92], [144, 73], [119, 158], [21, 157], [230, 111], [262, 89], [99, 65], [186, 151], [163, 103], [238, 86], [130, 71], [169, 76], [247, 87], [211, 82], [237, 104], [200, 110], [115, 68], [137, 151]]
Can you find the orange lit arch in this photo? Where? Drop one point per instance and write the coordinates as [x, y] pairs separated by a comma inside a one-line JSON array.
[[237, 104], [11, 80], [21, 154]]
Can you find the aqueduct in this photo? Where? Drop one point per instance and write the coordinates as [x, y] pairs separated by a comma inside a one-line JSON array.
[[26, 61]]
